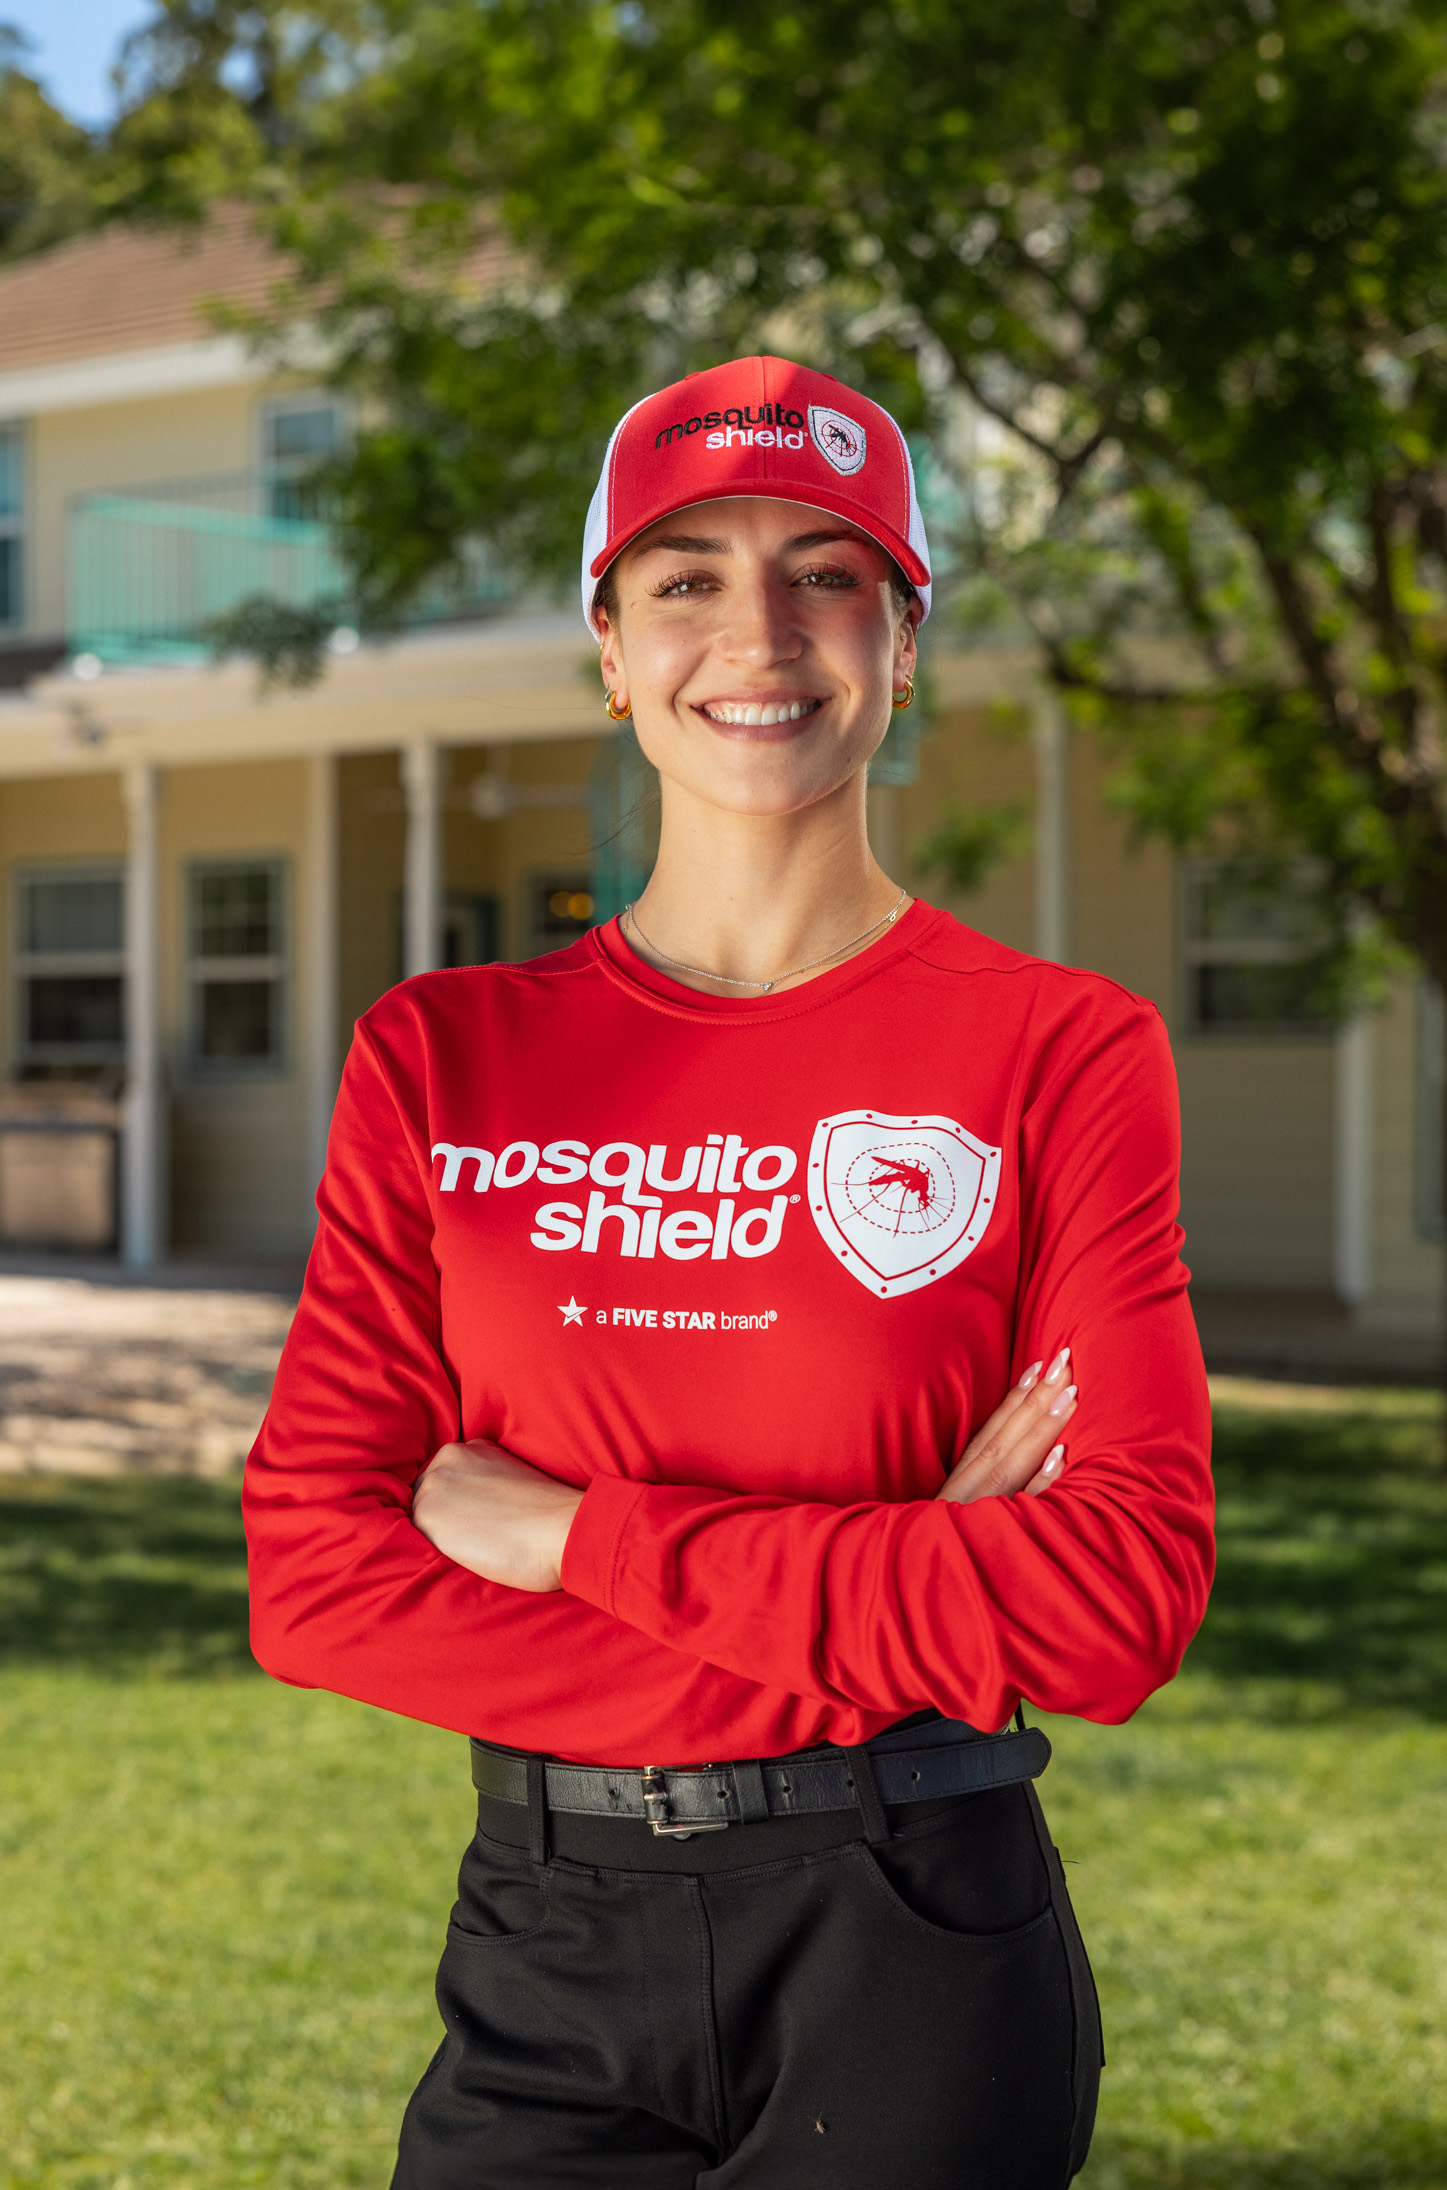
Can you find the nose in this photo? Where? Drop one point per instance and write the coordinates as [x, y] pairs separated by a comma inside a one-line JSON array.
[[763, 629]]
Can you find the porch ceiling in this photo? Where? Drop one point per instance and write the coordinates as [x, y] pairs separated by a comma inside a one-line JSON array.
[[514, 681], [518, 680]]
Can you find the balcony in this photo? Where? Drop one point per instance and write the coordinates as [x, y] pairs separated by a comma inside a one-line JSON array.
[[150, 569]]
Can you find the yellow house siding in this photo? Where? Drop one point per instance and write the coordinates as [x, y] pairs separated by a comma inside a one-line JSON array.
[[503, 858], [372, 825], [238, 1144], [1407, 1270], [141, 443], [1257, 1121], [971, 757], [1122, 894]]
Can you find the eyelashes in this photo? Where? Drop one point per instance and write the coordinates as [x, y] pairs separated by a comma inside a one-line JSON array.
[[817, 578], [680, 585]]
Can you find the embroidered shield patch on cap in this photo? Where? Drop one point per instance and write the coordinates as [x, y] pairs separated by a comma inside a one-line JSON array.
[[900, 1201], [840, 440]]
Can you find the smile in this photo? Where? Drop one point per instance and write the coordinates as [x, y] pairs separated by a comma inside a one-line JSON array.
[[751, 714]]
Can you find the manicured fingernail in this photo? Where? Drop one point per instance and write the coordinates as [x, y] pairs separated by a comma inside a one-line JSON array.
[[1057, 1366], [1063, 1404], [1053, 1460], [1032, 1376]]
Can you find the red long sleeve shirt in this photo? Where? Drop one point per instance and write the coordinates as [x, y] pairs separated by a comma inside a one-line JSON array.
[[751, 1272]]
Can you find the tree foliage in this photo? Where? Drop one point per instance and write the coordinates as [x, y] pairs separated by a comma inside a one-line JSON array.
[[1188, 258], [46, 161]]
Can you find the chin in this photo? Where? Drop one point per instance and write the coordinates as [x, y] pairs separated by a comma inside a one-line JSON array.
[[770, 793]]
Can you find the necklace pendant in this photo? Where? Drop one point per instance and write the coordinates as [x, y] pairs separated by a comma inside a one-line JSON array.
[[765, 986]]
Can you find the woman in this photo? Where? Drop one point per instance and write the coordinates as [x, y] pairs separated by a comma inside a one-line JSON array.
[[637, 1417]]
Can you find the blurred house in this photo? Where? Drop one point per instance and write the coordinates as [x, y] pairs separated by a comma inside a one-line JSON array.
[[203, 886]]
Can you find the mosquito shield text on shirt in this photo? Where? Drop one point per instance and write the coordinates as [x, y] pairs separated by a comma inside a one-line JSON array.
[[628, 1183]]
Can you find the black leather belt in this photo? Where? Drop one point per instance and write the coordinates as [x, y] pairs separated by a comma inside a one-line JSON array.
[[909, 1764]]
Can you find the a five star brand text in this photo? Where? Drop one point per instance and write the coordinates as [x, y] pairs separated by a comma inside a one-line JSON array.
[[627, 1184]]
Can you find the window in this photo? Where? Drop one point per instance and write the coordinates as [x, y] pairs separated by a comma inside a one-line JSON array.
[[1252, 954], [297, 434], [70, 967], [237, 964], [1431, 1165], [561, 909], [12, 524], [470, 929]]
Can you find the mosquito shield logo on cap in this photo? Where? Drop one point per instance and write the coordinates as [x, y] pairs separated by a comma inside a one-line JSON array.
[[841, 441], [757, 426]]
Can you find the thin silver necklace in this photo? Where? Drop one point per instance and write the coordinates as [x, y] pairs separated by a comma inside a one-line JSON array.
[[725, 980]]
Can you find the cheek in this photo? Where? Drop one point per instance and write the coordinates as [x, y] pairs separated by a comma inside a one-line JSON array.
[[659, 663]]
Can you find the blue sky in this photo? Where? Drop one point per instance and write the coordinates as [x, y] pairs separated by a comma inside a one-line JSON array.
[[72, 46]]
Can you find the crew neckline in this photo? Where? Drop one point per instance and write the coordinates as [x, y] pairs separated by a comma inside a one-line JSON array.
[[624, 964]]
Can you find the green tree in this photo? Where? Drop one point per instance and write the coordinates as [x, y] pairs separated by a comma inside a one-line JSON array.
[[1191, 253], [46, 161], [220, 98]]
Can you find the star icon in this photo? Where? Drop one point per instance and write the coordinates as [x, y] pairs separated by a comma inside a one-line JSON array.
[[572, 1313]]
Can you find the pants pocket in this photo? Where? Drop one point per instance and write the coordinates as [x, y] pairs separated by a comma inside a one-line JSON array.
[[502, 1896], [976, 1873]]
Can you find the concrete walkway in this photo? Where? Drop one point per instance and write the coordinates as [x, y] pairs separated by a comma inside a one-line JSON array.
[[103, 1375], [99, 1377]]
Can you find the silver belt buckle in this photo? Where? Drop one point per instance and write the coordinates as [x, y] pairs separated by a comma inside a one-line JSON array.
[[657, 1808]]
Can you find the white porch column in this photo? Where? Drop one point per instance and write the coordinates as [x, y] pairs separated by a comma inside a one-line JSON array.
[[1050, 737], [1355, 1139], [320, 931], [143, 1157], [422, 889]]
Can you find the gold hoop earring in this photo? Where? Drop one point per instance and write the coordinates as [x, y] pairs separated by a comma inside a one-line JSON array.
[[616, 714], [908, 700]]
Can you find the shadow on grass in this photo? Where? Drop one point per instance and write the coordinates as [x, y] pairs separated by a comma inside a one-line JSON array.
[[1332, 1579], [1395, 2154], [1332, 1532], [142, 1574]]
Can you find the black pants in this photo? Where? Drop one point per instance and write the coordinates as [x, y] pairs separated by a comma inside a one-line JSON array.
[[775, 2007]]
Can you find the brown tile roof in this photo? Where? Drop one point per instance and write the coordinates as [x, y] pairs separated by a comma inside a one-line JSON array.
[[142, 289], [130, 289]]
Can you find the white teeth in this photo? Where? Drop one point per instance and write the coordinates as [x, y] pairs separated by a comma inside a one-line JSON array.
[[742, 715]]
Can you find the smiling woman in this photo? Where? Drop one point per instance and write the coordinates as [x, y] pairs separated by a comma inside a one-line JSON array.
[[843, 1199]]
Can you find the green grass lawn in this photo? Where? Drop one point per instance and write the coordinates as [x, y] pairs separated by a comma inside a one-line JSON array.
[[221, 1901]]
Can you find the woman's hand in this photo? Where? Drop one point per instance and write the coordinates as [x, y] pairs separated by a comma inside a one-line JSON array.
[[495, 1515], [1017, 1448]]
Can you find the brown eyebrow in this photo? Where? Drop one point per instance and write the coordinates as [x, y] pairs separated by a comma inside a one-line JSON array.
[[684, 543]]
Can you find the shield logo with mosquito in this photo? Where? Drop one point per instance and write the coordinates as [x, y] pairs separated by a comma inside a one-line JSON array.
[[900, 1201], [840, 440]]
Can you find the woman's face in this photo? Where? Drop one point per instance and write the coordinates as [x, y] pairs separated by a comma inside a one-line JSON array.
[[758, 643]]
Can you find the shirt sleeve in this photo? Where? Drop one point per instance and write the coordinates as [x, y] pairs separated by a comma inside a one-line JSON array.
[[1081, 1601], [346, 1593]]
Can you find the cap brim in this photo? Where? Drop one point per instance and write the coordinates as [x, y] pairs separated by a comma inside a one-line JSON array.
[[811, 494]]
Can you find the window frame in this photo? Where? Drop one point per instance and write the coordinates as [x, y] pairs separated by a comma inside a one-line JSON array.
[[27, 965], [14, 525], [1192, 953], [273, 966], [272, 469]]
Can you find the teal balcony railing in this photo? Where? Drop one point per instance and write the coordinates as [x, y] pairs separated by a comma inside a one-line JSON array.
[[151, 568]]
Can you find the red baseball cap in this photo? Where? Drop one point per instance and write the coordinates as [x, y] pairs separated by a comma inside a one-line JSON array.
[[758, 425]]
